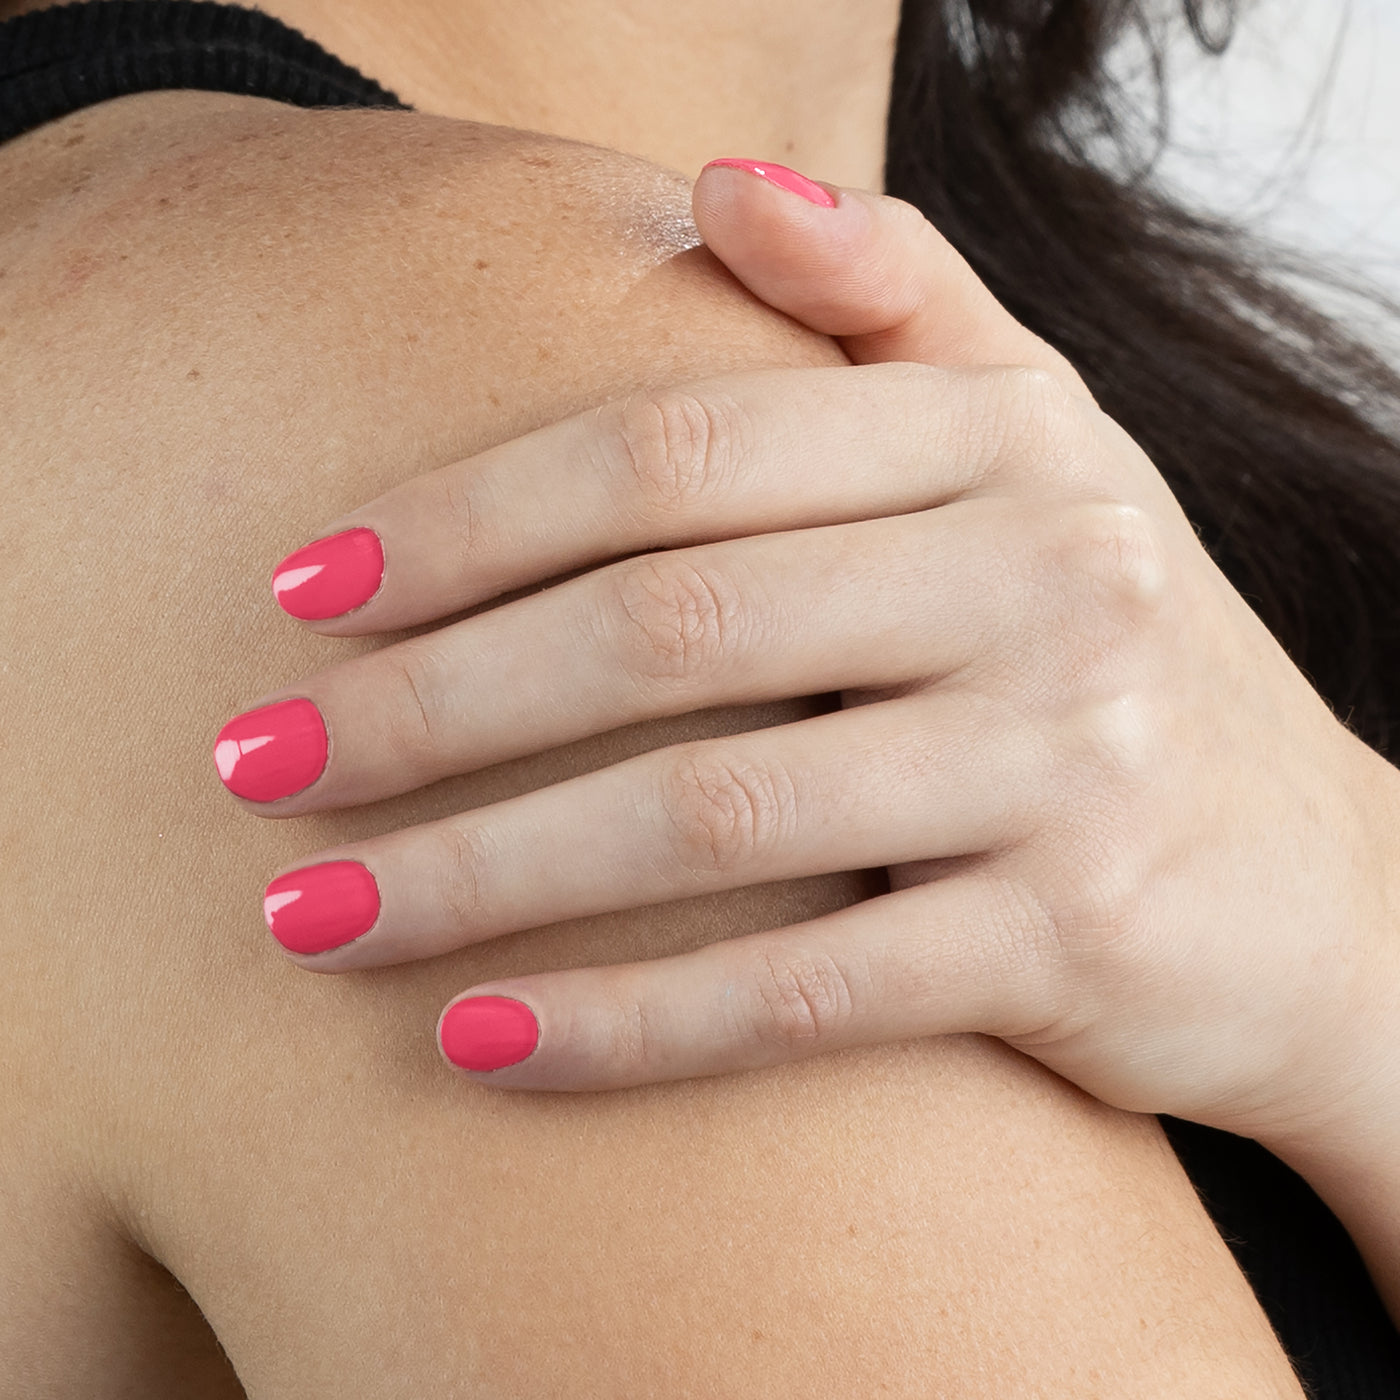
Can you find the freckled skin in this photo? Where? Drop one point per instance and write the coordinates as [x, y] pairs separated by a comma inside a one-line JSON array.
[[291, 1147]]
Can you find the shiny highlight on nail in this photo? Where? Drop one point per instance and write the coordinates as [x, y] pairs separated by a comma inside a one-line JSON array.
[[273, 751], [330, 577], [321, 907]]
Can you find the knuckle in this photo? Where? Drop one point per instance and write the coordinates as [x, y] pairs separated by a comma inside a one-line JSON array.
[[627, 1035], [1037, 421], [1120, 739], [913, 230], [1098, 865], [674, 449], [1022, 949], [461, 862], [1098, 911], [1109, 760], [415, 733], [1111, 552], [641, 1044], [802, 1000], [679, 622], [1036, 386], [460, 508], [725, 814], [904, 216]]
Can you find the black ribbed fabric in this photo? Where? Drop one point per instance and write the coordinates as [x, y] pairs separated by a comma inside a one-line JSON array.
[[57, 61], [1302, 1264]]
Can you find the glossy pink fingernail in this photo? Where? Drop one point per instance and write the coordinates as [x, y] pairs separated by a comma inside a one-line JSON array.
[[273, 751], [321, 906], [781, 176], [331, 576], [488, 1032]]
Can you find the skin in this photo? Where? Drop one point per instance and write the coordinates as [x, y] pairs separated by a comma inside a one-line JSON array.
[[802, 81], [681, 84], [1284, 1032], [416, 60], [197, 394]]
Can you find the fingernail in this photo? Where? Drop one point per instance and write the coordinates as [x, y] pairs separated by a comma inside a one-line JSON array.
[[781, 176], [321, 906], [331, 576], [273, 751], [488, 1032]]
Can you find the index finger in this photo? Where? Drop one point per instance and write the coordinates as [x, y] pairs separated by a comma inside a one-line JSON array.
[[734, 456]]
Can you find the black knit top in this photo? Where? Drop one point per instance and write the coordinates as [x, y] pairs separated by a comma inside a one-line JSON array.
[[56, 61], [1302, 1264]]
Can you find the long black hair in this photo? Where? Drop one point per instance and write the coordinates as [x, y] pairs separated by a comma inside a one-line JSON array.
[[1277, 429]]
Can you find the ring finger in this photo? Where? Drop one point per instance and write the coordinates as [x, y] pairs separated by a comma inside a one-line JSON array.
[[836, 792]]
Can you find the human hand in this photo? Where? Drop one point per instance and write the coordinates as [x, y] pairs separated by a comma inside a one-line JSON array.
[[1125, 834]]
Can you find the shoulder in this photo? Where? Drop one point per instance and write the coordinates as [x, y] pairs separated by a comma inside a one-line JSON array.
[[192, 158], [238, 320], [239, 230]]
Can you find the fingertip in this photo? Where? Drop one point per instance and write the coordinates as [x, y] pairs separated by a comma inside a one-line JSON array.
[[782, 177], [321, 907], [275, 750], [731, 198], [761, 229], [482, 1033], [331, 576]]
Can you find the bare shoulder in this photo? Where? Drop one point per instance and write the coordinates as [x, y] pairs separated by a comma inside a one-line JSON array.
[[235, 320], [228, 237], [183, 165], [222, 322]]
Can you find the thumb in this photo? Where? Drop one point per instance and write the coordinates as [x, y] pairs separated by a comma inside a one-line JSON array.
[[870, 270]]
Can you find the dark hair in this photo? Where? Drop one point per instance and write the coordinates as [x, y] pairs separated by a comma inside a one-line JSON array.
[[1276, 428]]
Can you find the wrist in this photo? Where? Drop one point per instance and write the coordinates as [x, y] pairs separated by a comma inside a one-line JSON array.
[[1347, 1144], [1355, 1168]]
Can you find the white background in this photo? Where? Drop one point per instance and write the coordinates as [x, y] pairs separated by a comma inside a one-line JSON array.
[[1237, 140]]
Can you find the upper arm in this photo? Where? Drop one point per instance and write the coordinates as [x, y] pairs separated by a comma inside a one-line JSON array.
[[241, 321]]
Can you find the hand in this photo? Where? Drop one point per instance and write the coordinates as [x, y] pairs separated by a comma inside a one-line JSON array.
[[1125, 834]]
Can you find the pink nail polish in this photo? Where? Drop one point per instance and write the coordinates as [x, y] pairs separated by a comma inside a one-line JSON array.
[[273, 751], [781, 176], [321, 906], [331, 576], [488, 1032]]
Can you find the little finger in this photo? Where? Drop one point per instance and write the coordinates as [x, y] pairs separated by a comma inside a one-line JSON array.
[[966, 953]]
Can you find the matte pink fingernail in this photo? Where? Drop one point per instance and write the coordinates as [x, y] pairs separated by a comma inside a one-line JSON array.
[[321, 906], [488, 1032], [273, 751], [331, 576], [781, 176]]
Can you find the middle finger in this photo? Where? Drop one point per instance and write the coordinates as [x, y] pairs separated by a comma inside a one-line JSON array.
[[866, 604]]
